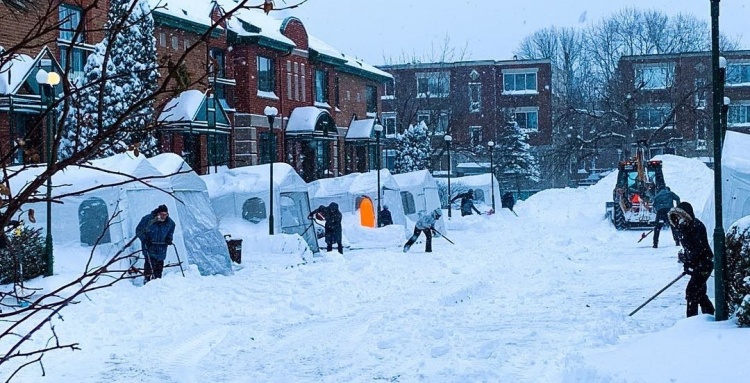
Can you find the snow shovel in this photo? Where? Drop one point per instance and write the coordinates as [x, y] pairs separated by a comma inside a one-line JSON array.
[[657, 294], [644, 235], [179, 262], [441, 234], [511, 210]]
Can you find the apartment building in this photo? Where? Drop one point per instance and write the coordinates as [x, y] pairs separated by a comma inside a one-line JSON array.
[[672, 99], [250, 62], [471, 101]]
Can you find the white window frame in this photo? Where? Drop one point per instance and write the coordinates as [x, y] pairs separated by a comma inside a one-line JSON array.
[[654, 76], [475, 97], [526, 110], [738, 74], [389, 123], [438, 84], [389, 90], [175, 43], [515, 74], [475, 135], [701, 92], [441, 126], [650, 108], [701, 134]]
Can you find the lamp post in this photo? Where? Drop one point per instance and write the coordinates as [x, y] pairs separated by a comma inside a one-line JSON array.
[[270, 113], [50, 79], [378, 130], [491, 144], [724, 116], [448, 140], [718, 65]]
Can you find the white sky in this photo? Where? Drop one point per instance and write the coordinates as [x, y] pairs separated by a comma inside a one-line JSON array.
[[372, 30], [542, 297]]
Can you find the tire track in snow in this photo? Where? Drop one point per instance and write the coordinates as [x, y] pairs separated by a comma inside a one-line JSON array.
[[182, 359]]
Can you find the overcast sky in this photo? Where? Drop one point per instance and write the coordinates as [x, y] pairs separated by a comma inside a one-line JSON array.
[[375, 30]]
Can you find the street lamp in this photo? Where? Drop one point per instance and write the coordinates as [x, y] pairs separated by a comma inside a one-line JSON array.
[[270, 113], [724, 116], [491, 144], [378, 130], [448, 140], [718, 65], [50, 79]]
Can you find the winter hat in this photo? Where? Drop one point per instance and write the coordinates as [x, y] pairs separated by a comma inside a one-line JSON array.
[[687, 207], [162, 209]]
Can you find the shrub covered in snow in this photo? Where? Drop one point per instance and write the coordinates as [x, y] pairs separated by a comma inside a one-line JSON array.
[[738, 270], [28, 246]]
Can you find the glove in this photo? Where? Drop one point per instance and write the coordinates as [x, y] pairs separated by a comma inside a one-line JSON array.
[[688, 270], [681, 257]]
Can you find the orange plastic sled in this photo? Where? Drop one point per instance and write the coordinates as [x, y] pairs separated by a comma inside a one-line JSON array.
[[366, 213]]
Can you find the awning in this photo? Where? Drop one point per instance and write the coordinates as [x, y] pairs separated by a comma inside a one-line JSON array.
[[195, 112], [311, 121], [360, 130]]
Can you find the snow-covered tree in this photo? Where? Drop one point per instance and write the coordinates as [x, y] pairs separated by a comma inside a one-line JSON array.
[[114, 97], [514, 157], [412, 149]]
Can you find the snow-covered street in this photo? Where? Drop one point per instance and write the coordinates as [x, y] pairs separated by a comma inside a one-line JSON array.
[[533, 298]]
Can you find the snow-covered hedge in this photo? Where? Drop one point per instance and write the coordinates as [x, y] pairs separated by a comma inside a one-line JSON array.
[[738, 270]]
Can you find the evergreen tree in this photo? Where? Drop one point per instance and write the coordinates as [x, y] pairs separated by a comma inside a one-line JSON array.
[[412, 149], [131, 72], [514, 154]]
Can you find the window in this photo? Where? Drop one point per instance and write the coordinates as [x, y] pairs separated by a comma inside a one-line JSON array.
[[700, 93], [738, 114], [162, 39], [479, 195], [92, 221], [407, 199], [336, 92], [701, 133], [389, 89], [304, 83], [389, 123], [519, 81], [527, 118], [738, 74], [654, 76], [436, 120], [288, 79], [321, 86], [475, 134], [175, 42], [265, 74], [475, 97], [254, 210], [218, 63], [651, 117], [433, 84], [185, 44], [70, 20], [72, 55], [371, 98]]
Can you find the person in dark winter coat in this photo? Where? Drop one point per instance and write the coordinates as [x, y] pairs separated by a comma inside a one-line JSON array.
[[426, 224], [467, 202], [663, 201], [156, 232], [333, 217], [384, 217], [696, 257], [507, 201]]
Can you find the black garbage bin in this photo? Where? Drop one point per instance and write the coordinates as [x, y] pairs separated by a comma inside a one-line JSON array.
[[235, 250]]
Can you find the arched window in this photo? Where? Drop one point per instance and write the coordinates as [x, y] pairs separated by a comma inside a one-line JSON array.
[[407, 199], [92, 222], [254, 210], [478, 195]]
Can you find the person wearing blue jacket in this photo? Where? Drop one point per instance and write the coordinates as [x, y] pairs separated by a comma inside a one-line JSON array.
[[664, 200], [426, 224], [156, 232]]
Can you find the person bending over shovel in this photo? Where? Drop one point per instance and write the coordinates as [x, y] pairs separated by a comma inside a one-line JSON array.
[[155, 231], [426, 224]]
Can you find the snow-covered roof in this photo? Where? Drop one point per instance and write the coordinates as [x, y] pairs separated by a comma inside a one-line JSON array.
[[181, 175], [183, 107], [418, 178], [253, 178], [325, 49], [361, 129], [368, 182], [195, 11], [268, 26], [14, 72], [304, 118]]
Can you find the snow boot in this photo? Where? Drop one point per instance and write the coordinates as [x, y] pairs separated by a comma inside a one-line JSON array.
[[406, 248]]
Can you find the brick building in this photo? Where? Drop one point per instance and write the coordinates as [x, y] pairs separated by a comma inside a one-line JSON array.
[[471, 101], [683, 83], [250, 62]]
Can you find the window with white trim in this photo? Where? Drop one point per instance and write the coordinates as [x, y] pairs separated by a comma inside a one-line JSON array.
[[651, 116], [175, 42], [433, 84], [738, 74], [700, 93], [701, 134], [475, 97], [654, 76], [527, 118], [520, 81], [435, 120], [389, 89], [389, 123], [739, 114], [72, 51], [475, 134], [321, 86]]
